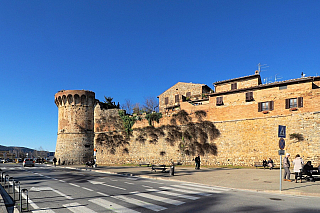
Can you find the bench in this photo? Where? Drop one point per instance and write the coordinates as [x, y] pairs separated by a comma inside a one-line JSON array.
[[144, 164], [315, 172], [258, 164], [154, 168]]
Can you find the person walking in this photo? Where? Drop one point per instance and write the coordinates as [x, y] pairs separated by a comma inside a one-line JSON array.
[[297, 167], [286, 166], [55, 161], [197, 161]]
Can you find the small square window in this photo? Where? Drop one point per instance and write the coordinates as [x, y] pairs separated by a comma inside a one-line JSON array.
[[219, 101]]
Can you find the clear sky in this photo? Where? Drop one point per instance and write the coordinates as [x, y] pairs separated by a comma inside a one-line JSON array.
[[137, 49]]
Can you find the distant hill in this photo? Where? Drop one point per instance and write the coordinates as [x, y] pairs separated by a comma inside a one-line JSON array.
[[10, 148]]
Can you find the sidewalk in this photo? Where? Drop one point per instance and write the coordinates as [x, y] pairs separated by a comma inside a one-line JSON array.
[[244, 179]]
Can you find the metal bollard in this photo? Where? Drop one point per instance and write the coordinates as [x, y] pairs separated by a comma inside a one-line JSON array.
[[27, 199], [6, 177], [172, 170], [14, 194], [10, 179]]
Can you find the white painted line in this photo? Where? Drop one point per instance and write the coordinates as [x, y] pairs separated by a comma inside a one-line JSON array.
[[147, 186], [103, 194], [46, 210], [158, 198], [62, 181], [197, 189], [174, 194], [78, 208], [149, 181], [206, 187], [104, 184], [87, 189], [129, 183], [72, 184], [141, 203], [112, 206], [185, 191]]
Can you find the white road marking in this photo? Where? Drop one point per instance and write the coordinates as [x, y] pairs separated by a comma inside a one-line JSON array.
[[78, 208], [103, 194], [147, 186], [129, 183], [141, 203], [72, 184], [174, 194], [62, 181], [87, 189], [112, 206], [185, 191], [149, 181], [158, 198], [206, 187], [46, 210], [104, 184], [197, 189]]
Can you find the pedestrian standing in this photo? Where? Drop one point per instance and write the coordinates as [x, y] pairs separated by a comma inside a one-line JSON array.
[[297, 167], [197, 161], [286, 166]]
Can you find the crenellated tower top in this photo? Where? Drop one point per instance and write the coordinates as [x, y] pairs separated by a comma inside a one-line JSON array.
[[74, 97]]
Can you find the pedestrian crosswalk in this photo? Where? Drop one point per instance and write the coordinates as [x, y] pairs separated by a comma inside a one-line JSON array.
[[150, 200]]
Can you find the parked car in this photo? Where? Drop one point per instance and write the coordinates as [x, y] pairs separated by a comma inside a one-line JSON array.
[[19, 160], [2, 160], [28, 162]]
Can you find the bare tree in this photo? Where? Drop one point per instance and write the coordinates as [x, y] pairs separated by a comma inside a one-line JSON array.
[[150, 104], [136, 108], [128, 106]]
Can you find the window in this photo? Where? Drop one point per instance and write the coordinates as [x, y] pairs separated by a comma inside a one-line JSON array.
[[283, 87], [188, 94], [219, 101], [249, 96], [233, 86], [166, 100], [294, 103], [176, 99], [265, 106]]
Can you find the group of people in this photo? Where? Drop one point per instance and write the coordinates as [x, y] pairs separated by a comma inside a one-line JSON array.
[[268, 163], [298, 168]]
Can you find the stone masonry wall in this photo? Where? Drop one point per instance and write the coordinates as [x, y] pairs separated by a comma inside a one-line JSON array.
[[246, 135]]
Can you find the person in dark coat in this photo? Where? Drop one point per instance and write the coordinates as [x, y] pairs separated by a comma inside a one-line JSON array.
[[307, 169], [197, 161], [55, 161]]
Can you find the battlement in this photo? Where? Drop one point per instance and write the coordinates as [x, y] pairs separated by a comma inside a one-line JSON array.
[[74, 97]]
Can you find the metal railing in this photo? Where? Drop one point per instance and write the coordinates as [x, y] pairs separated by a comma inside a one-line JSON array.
[[11, 186]]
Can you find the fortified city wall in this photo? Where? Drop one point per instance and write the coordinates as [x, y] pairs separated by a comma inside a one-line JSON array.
[[240, 132]]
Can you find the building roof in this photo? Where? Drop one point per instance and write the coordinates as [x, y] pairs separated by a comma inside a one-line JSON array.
[[203, 85], [238, 79], [274, 84]]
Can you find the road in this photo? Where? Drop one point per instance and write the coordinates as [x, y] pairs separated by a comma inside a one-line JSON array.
[[60, 190]]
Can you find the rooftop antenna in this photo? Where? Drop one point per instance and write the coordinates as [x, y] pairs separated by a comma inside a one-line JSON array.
[[276, 78], [261, 66]]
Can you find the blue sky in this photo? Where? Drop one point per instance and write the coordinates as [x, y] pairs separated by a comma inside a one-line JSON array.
[[137, 49]]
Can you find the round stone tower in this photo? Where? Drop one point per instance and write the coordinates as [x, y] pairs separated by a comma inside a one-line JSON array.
[[75, 140]]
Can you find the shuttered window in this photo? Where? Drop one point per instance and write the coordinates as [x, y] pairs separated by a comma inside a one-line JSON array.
[[249, 96], [166, 100], [219, 101], [176, 99], [294, 102], [233, 86], [265, 106]]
